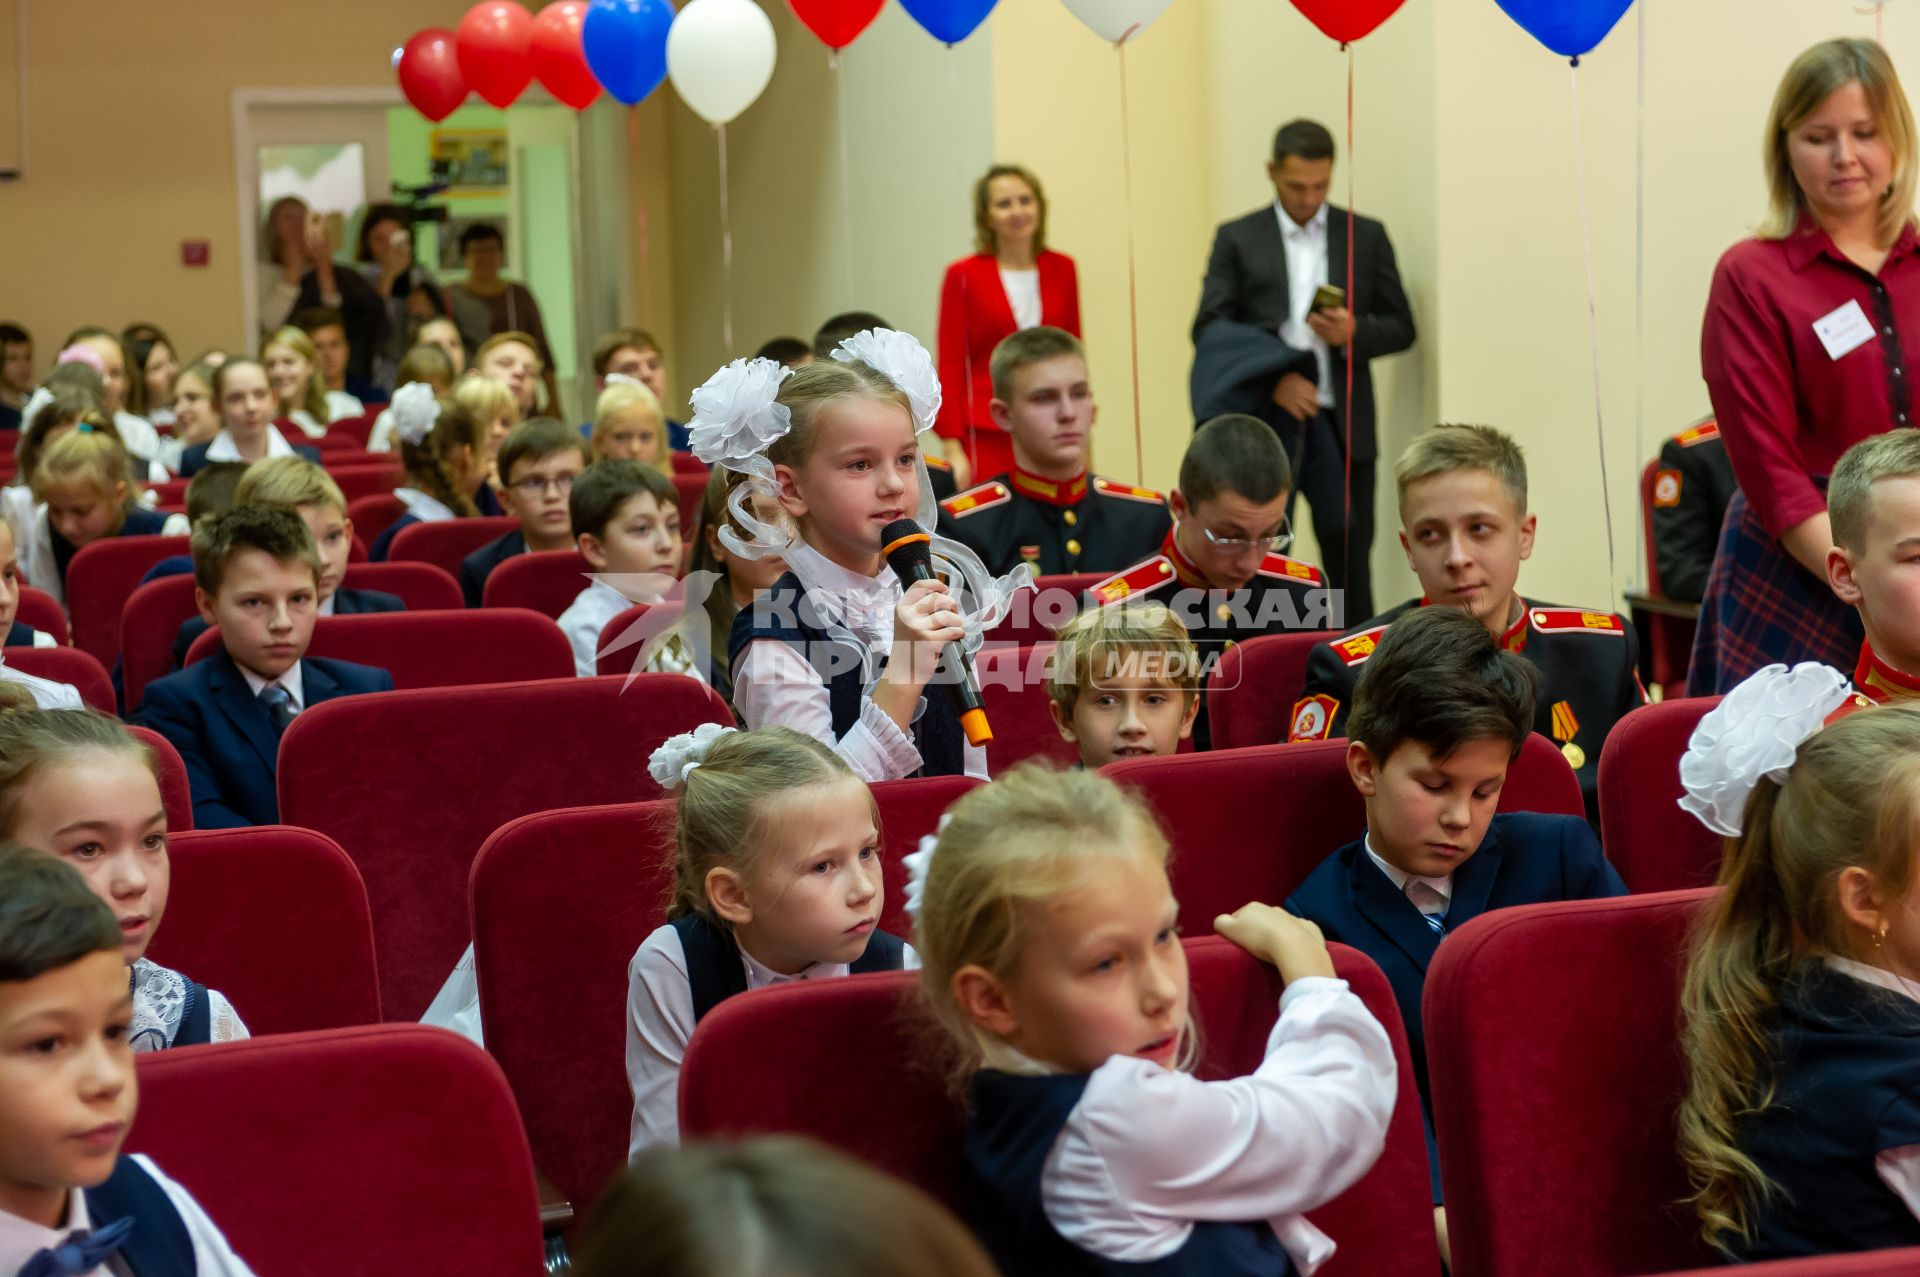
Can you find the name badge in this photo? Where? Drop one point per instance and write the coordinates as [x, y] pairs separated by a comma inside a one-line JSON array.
[[1843, 330]]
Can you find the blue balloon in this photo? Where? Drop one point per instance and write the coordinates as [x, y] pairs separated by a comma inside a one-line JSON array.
[[626, 46], [1568, 27], [948, 21]]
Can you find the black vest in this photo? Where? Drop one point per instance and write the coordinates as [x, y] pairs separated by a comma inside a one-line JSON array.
[[715, 970], [19, 635], [159, 1245]]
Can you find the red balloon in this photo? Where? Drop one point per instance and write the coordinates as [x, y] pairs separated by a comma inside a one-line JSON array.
[[430, 74], [493, 50], [837, 22], [1346, 20], [559, 61]]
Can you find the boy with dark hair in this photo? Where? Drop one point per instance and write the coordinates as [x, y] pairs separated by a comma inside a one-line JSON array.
[[16, 374], [347, 395], [842, 326], [1440, 713], [1691, 488], [68, 1093], [257, 577], [1465, 527], [788, 352], [633, 352], [538, 462], [626, 520], [1049, 511], [1220, 569]]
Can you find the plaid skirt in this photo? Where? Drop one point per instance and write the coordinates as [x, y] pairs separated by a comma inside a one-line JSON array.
[[1762, 607]]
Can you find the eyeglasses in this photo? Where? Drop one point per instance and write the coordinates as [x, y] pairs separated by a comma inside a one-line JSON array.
[[1234, 545], [536, 486]]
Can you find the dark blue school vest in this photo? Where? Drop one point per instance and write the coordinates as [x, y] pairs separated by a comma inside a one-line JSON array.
[[141, 522], [716, 973], [783, 612], [19, 635], [196, 1016], [159, 1245], [1847, 1067], [1012, 1124]]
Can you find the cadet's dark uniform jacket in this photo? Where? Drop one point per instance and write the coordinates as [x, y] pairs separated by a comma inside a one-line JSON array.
[[1588, 679], [1691, 488], [1088, 524]]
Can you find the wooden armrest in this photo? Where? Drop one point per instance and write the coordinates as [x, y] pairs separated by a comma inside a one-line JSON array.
[[556, 1212], [1662, 606]]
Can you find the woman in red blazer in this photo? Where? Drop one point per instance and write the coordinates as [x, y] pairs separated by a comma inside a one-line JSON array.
[[1014, 281]]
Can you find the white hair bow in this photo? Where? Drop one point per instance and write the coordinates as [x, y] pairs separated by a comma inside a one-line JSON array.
[[679, 756], [919, 864], [736, 418], [415, 409], [1755, 731]]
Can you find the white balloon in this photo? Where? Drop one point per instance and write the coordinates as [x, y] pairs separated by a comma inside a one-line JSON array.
[[720, 57], [1117, 20]]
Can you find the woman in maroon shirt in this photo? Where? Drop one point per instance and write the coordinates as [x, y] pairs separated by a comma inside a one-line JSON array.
[[1015, 281], [1804, 351]]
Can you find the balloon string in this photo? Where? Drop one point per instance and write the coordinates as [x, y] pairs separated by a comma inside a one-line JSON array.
[[846, 175], [1593, 321], [639, 190], [1133, 291], [726, 249], [1346, 529], [971, 447], [1640, 243]]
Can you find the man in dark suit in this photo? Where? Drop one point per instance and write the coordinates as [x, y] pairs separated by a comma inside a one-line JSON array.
[[1271, 270], [1440, 713], [257, 576]]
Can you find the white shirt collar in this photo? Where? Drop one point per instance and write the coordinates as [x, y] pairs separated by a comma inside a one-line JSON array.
[[759, 975], [1874, 975], [223, 447], [22, 1239], [326, 605], [1315, 225], [427, 509], [1400, 877], [863, 603], [291, 680]]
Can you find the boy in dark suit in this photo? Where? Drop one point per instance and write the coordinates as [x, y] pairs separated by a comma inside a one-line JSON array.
[[538, 462], [75, 1203], [257, 576], [1440, 713]]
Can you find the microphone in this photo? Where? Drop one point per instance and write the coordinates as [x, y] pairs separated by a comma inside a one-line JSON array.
[[909, 552]]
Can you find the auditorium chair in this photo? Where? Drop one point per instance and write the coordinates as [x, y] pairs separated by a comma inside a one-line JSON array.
[[546, 581], [357, 481], [446, 542], [411, 783], [67, 665], [691, 489], [276, 919], [382, 1148], [1870, 1263], [1653, 843], [375, 514], [1038, 614], [1554, 1061], [612, 659], [154, 614], [37, 610], [170, 492], [1013, 688], [1251, 824], [686, 463], [357, 429], [844, 1043], [1252, 690], [100, 580], [561, 900], [453, 648], [176, 795]]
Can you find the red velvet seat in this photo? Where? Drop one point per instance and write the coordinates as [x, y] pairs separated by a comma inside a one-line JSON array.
[[356, 430], [561, 900], [611, 660], [1251, 692], [547, 581], [421, 586], [812, 1058], [1553, 1053], [692, 491], [67, 665], [1873, 1263], [410, 783], [100, 580], [454, 648], [1251, 824], [276, 919], [38, 610], [1038, 614], [176, 796], [384, 1148], [375, 514], [446, 542], [365, 481], [172, 492], [1013, 686], [687, 463], [1655, 845], [339, 444]]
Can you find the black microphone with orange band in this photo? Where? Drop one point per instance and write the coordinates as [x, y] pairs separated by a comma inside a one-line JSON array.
[[909, 552]]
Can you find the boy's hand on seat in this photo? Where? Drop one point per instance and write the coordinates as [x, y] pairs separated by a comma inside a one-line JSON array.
[[1292, 944]]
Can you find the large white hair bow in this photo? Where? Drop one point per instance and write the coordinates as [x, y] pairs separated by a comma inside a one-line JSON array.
[[1756, 730], [736, 418], [919, 864], [679, 756], [415, 408]]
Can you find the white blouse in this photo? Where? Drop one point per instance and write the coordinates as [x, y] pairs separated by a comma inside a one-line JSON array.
[[423, 506], [1023, 295], [160, 1002], [21, 1239], [773, 683], [1149, 1152], [222, 447]]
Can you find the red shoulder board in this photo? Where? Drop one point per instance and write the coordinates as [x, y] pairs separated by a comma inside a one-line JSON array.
[[1108, 488], [1279, 565], [1573, 620], [936, 463], [1356, 648], [974, 500], [1698, 434], [1136, 580]]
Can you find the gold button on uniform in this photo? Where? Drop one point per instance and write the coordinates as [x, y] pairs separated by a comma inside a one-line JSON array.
[[1070, 517], [1073, 547], [1224, 612]]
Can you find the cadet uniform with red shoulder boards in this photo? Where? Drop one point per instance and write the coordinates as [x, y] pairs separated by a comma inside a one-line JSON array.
[[1691, 488], [1588, 679], [1085, 524]]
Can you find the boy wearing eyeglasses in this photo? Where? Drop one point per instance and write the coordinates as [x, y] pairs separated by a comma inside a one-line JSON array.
[[1048, 511], [1220, 568], [1465, 528], [539, 460]]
